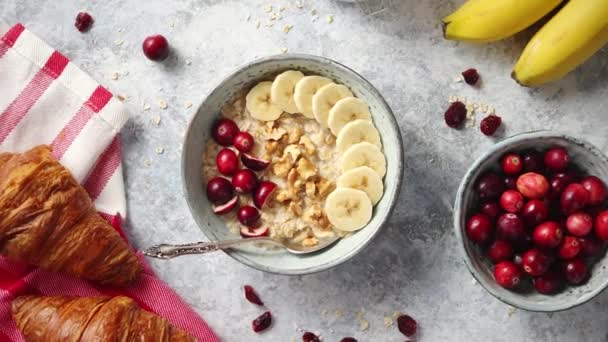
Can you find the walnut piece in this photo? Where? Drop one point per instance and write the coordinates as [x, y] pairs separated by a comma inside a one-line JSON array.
[[311, 189], [292, 177], [295, 208], [282, 166], [309, 242], [306, 169], [324, 187], [312, 213], [294, 135], [324, 221], [309, 147], [277, 133], [293, 150], [285, 195]]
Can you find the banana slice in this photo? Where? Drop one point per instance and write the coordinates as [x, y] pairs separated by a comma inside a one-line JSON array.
[[348, 209], [345, 111], [259, 105], [326, 98], [365, 179], [364, 154], [283, 87], [304, 91], [355, 132]]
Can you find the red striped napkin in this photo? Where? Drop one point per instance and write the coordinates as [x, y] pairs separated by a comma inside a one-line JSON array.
[[44, 98]]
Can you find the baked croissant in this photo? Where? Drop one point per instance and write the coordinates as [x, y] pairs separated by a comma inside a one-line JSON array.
[[49, 319], [47, 219]]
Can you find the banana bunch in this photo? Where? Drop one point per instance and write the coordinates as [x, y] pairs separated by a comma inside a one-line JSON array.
[[571, 36]]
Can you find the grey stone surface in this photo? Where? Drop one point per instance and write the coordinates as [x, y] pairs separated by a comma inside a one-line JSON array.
[[414, 266]]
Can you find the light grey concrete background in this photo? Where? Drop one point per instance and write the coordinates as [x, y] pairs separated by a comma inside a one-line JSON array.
[[414, 266]]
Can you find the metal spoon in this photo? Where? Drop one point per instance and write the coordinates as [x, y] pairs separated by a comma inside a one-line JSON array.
[[167, 251]]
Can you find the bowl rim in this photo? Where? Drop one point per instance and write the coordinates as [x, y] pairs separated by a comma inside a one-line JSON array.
[[399, 165], [458, 212]]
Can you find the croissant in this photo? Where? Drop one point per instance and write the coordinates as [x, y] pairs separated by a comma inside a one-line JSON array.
[[49, 319], [47, 219]]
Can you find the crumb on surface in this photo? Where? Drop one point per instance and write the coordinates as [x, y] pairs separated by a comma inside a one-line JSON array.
[[162, 104]]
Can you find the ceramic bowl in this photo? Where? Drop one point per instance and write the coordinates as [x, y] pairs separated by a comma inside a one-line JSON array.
[[583, 154], [199, 131]]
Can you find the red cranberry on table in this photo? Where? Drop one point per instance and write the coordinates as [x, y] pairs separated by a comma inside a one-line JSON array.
[[532, 185], [243, 142], [535, 212], [471, 76], [83, 21], [227, 162], [490, 124], [601, 225], [156, 47], [224, 131], [490, 208], [219, 190], [248, 215], [490, 186], [575, 271], [245, 181], [596, 189], [510, 227], [569, 248], [455, 115], [512, 164], [533, 162], [407, 325], [507, 274], [252, 296], [579, 223], [557, 159], [499, 251], [348, 339], [512, 201], [536, 262], [574, 198], [591, 246], [262, 323], [548, 234], [310, 337], [479, 228], [548, 283], [510, 182]]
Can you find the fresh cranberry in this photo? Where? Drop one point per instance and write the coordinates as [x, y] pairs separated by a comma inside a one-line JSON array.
[[83, 21], [535, 212], [490, 208], [533, 162], [227, 207], [471, 76], [596, 189], [499, 251], [560, 181], [511, 201], [254, 163], [535, 262], [547, 234], [245, 181], [490, 124], [455, 115], [591, 246], [569, 248], [224, 131], [601, 225], [574, 198], [512, 164], [243, 142], [579, 223], [532, 185], [507, 274], [248, 215], [557, 159], [227, 162], [490, 186], [348, 339], [219, 190], [263, 193], [479, 228], [510, 227], [548, 283], [262, 322], [575, 271], [310, 337], [511, 182], [407, 325], [156, 47], [252, 296]]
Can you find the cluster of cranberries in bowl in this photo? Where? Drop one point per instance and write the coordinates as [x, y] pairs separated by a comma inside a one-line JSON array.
[[541, 219], [234, 161]]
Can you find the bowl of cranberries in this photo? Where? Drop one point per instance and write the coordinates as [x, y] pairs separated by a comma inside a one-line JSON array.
[[531, 216]]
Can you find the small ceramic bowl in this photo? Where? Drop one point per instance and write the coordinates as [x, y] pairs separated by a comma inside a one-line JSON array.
[[199, 131], [583, 154]]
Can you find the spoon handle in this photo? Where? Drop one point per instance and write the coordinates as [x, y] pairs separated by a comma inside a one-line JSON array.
[[167, 251]]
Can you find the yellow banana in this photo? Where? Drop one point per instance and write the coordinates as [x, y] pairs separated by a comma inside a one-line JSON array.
[[491, 20], [575, 33]]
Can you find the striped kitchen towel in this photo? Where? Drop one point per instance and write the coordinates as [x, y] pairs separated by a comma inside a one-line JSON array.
[[46, 99]]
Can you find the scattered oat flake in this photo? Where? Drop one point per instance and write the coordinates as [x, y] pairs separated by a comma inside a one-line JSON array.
[[287, 28], [248, 17], [147, 162], [284, 50], [145, 107], [484, 108], [119, 42], [121, 98], [188, 62], [396, 314], [452, 99], [188, 104], [458, 79], [474, 281], [156, 120], [313, 11], [257, 24], [388, 321], [330, 19], [162, 104], [268, 9], [299, 5], [363, 324], [160, 150], [282, 8], [115, 75], [510, 311], [339, 313]]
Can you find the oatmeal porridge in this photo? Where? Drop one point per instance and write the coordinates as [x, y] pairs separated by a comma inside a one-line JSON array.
[[304, 158]]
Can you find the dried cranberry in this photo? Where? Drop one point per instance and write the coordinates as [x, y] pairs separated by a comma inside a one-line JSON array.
[[252, 296], [262, 322], [471, 76], [455, 115], [407, 325], [490, 124], [490, 186], [83, 21]]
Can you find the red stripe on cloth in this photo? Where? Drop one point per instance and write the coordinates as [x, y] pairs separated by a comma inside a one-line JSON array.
[[17, 110], [98, 99], [9, 38], [105, 167]]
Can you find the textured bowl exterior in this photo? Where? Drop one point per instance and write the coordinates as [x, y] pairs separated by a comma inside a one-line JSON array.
[[199, 129], [590, 160]]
